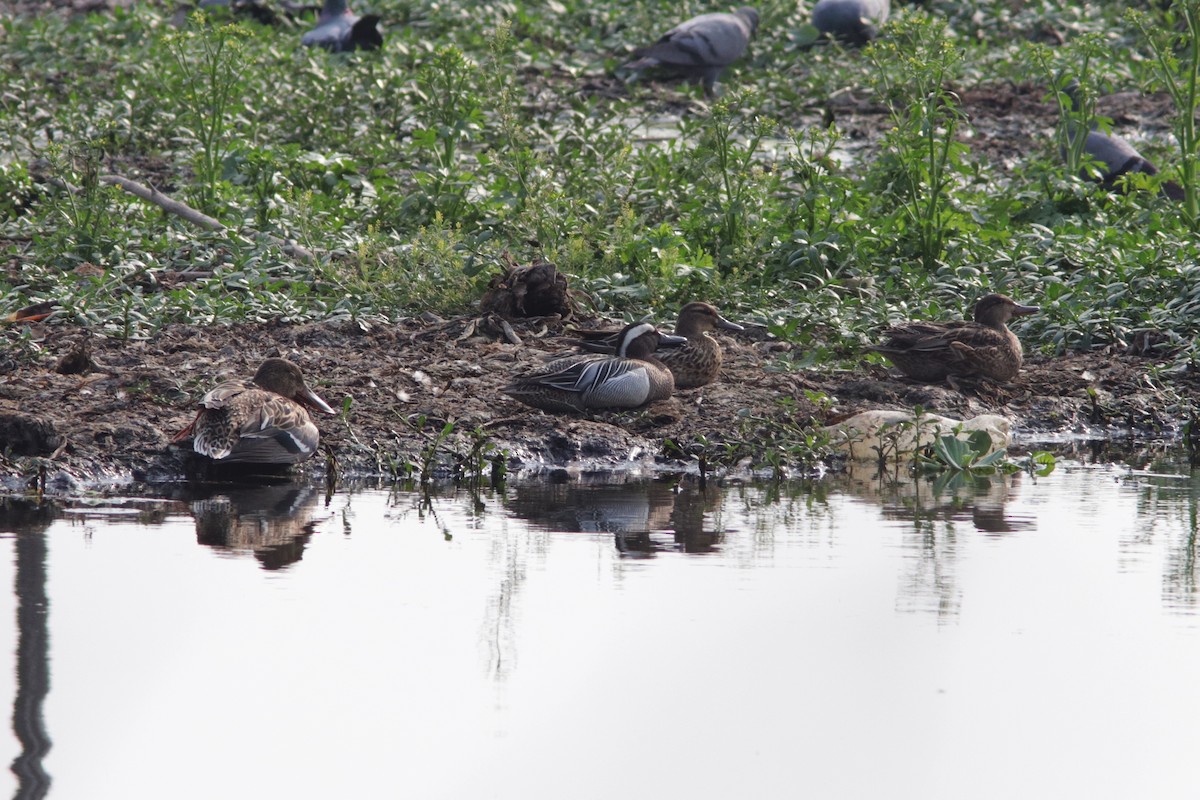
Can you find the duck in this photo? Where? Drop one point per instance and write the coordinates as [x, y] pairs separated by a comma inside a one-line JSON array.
[[630, 378], [261, 421], [701, 47], [932, 352], [695, 363], [851, 21], [340, 30]]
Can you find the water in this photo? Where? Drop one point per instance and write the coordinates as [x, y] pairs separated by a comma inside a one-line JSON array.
[[837, 640]]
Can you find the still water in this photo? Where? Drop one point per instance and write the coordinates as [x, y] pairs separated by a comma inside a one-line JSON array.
[[838, 639]]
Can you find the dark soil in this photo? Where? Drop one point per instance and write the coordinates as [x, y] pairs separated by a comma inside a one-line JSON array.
[[114, 421]]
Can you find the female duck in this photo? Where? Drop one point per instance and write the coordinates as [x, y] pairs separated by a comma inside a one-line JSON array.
[[630, 378], [261, 422], [932, 352], [695, 363]]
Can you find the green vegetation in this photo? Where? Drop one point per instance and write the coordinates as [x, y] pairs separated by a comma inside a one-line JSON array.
[[955, 462], [486, 128]]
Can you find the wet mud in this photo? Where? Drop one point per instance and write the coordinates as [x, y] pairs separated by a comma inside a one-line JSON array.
[[79, 411]]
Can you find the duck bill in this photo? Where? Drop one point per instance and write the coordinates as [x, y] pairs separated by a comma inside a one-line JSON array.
[[1021, 311], [309, 398], [671, 340], [727, 325]]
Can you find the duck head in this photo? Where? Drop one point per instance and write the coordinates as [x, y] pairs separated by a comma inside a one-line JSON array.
[[695, 318], [282, 377], [640, 339], [994, 310]]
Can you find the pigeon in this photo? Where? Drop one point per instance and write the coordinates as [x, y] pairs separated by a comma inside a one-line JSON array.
[[340, 30], [1111, 154], [850, 21], [702, 47]]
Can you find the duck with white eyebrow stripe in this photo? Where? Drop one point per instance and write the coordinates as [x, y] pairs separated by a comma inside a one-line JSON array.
[[631, 378]]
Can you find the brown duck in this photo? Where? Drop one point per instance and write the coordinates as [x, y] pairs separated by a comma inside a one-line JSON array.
[[695, 363], [932, 352], [264, 421]]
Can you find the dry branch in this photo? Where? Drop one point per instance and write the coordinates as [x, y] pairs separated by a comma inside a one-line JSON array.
[[184, 211], [169, 205]]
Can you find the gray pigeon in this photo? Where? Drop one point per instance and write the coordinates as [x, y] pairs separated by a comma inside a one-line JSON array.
[[340, 30], [1112, 154], [702, 47], [851, 21]]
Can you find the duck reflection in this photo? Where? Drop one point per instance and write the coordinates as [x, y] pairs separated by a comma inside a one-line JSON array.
[[644, 517], [272, 522]]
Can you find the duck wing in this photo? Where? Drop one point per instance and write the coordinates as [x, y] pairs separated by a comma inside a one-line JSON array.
[[926, 337], [595, 340], [585, 374], [275, 430], [239, 422]]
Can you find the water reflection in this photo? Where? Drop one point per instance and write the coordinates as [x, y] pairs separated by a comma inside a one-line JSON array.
[[274, 523], [645, 517], [951, 498], [1167, 487], [451, 621], [1167, 492], [29, 520], [938, 510]]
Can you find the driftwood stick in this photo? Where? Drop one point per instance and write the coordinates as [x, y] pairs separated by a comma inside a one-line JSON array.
[[184, 211], [166, 203]]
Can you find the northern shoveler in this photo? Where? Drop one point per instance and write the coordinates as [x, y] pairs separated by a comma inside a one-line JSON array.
[[263, 421]]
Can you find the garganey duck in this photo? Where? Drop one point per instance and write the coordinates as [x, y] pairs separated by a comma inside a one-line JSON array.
[[696, 363], [630, 378], [931, 352]]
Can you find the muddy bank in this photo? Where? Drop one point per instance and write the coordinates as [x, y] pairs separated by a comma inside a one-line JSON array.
[[87, 411]]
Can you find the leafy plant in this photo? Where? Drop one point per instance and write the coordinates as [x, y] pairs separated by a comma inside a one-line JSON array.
[[1175, 44], [913, 70], [1060, 70], [480, 130], [450, 114], [208, 62], [971, 454], [726, 164], [83, 202], [975, 455]]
